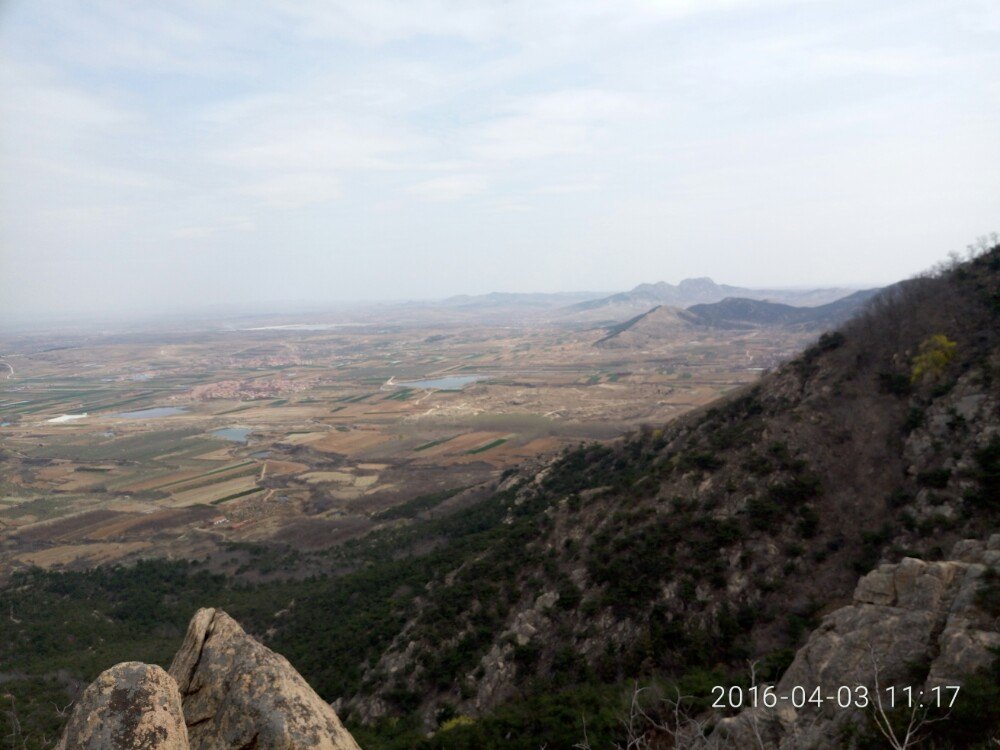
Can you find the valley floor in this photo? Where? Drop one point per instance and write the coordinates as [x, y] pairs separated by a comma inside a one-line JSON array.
[[179, 444]]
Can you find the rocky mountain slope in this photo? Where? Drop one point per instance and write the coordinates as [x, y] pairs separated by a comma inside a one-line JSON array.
[[224, 691], [667, 559], [726, 534], [914, 623]]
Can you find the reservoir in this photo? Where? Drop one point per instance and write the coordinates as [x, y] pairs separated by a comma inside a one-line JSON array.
[[236, 434], [156, 411], [447, 383]]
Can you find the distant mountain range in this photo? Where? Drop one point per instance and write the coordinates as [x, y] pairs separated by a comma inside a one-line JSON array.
[[733, 312], [739, 312], [580, 309], [620, 306]]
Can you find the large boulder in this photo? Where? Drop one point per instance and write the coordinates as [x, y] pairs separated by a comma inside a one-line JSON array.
[[237, 693], [131, 706], [914, 623]]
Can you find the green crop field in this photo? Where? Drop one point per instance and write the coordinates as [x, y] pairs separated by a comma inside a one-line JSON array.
[[141, 447], [236, 495], [401, 395], [432, 443], [489, 446]]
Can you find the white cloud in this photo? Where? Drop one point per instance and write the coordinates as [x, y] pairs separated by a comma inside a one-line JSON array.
[[294, 189], [182, 37], [380, 21], [581, 186], [572, 121], [449, 187], [297, 141], [212, 230]]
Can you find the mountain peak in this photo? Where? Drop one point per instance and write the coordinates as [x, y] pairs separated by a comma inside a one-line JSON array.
[[698, 284]]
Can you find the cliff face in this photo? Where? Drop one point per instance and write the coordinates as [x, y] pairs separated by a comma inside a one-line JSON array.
[[919, 624], [224, 691]]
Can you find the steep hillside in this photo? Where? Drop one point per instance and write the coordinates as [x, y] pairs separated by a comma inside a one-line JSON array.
[[725, 534]]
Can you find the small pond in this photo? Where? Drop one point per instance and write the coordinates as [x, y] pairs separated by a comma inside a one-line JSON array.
[[236, 434]]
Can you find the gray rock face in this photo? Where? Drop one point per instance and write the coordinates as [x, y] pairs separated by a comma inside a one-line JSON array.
[[132, 706], [239, 694], [911, 613], [225, 691]]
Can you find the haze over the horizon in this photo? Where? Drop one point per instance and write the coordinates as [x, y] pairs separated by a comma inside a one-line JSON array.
[[171, 156]]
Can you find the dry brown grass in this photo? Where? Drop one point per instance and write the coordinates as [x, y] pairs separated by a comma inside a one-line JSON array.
[[91, 554]]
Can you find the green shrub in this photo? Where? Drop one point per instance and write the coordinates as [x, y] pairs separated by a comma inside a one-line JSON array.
[[700, 460], [830, 341], [764, 513], [894, 383], [795, 490], [914, 418], [935, 354], [987, 475], [899, 498], [872, 544], [936, 478], [808, 524]]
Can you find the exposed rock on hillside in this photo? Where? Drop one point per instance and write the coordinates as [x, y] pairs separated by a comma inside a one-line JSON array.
[[913, 615], [238, 693], [225, 691], [132, 706], [725, 534]]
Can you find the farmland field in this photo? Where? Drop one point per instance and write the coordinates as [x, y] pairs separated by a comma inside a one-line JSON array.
[[174, 444]]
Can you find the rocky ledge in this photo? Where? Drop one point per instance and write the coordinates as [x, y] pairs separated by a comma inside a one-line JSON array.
[[915, 623], [224, 691]]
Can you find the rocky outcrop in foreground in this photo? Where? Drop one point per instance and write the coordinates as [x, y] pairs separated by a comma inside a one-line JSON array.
[[238, 693], [914, 615], [131, 705], [224, 691]]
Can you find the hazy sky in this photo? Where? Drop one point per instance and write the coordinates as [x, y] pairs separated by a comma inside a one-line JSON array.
[[184, 153]]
